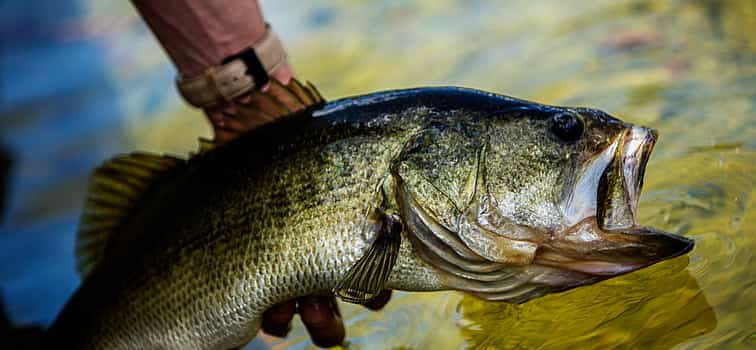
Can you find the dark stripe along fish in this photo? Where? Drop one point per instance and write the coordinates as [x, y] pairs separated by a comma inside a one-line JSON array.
[[424, 189]]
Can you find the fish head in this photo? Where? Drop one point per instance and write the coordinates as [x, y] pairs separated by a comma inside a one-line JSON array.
[[594, 234], [548, 203]]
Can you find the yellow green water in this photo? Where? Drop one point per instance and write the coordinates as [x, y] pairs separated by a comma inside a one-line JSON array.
[[687, 68]]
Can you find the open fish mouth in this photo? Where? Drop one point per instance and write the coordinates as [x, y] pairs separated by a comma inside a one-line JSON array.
[[621, 182], [608, 185], [601, 205]]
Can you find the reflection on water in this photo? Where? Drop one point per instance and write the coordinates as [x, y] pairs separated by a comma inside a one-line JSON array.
[[687, 68], [706, 195], [659, 310]]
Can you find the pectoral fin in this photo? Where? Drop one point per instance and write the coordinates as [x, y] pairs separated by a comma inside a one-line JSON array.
[[367, 278]]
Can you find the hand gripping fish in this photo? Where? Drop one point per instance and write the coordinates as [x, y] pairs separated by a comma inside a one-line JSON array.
[[425, 189]]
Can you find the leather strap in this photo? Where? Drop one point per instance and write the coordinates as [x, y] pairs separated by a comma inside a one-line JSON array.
[[233, 78]]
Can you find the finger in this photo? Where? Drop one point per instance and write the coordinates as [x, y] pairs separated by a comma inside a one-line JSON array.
[[222, 136], [322, 320], [284, 74], [252, 115], [285, 97], [221, 129], [235, 118], [335, 306], [277, 319], [379, 301]]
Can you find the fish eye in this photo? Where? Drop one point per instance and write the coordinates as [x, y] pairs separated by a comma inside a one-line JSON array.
[[567, 126]]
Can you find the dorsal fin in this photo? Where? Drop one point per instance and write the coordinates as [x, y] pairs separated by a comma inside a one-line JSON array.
[[116, 186], [114, 189], [275, 101]]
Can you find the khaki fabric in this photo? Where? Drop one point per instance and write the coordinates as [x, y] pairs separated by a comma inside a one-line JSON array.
[[219, 84]]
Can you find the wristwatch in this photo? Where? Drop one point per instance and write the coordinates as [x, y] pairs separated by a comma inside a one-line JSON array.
[[236, 75]]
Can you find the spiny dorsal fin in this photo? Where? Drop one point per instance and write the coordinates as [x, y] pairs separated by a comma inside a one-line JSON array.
[[275, 101], [118, 184], [114, 189]]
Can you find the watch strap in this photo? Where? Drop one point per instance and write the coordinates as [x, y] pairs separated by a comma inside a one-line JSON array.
[[236, 75]]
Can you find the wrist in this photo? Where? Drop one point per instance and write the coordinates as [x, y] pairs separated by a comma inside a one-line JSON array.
[[249, 69]]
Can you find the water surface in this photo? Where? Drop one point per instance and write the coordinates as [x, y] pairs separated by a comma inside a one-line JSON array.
[[686, 68]]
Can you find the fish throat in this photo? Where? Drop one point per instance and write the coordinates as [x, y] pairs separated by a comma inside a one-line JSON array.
[[474, 256]]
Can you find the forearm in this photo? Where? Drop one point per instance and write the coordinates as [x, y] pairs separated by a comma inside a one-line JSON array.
[[198, 34]]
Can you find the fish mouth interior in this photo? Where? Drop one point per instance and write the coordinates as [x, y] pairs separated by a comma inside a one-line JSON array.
[[602, 200], [608, 185], [620, 183]]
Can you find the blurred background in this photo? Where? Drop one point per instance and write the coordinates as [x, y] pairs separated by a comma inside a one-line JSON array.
[[83, 80]]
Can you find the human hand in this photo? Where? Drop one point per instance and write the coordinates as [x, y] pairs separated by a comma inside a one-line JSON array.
[[228, 121], [320, 315]]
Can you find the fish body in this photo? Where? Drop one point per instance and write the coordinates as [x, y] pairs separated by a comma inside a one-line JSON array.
[[486, 200]]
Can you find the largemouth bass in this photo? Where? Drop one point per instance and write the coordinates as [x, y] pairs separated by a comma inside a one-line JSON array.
[[424, 189]]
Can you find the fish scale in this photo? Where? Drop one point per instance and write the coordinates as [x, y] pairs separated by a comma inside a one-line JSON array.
[[230, 266], [311, 205]]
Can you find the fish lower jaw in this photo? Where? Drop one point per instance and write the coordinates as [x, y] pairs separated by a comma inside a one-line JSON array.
[[589, 229], [588, 236], [591, 267]]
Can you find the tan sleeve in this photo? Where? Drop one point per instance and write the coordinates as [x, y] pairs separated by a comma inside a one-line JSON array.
[[198, 34]]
